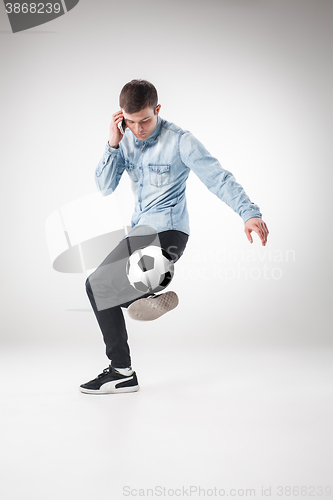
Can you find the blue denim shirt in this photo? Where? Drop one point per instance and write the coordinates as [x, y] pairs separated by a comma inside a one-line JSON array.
[[159, 167]]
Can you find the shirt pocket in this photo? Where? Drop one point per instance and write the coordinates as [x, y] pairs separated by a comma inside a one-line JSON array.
[[132, 171], [159, 175]]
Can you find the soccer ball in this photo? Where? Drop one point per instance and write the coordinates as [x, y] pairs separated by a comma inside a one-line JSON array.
[[150, 269]]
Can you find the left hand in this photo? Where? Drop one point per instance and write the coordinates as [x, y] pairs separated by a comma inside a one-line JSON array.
[[258, 226]]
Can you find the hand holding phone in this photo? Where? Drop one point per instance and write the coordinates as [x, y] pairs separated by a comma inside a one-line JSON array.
[[117, 129], [122, 126]]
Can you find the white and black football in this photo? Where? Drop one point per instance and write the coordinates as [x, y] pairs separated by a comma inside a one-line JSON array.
[[150, 269]]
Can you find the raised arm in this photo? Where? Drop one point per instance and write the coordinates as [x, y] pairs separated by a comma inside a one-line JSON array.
[[111, 166], [222, 183]]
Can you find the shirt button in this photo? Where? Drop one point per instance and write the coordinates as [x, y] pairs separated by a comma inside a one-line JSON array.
[[158, 171], [141, 185], [140, 168]]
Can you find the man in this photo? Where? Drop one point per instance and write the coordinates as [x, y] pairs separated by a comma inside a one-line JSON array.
[[158, 157]]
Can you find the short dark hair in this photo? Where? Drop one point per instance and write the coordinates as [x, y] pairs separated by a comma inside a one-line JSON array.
[[137, 95]]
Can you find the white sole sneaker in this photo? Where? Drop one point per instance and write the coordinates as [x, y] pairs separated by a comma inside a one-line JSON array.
[[110, 381], [153, 308], [110, 388]]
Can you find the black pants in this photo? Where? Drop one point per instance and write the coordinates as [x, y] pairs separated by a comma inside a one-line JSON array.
[[108, 284]]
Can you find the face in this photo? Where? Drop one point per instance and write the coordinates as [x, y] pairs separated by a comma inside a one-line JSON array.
[[142, 123]]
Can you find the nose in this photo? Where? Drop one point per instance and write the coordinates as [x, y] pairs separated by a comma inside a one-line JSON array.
[[139, 128]]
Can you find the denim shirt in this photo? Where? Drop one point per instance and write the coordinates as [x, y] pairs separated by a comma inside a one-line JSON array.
[[159, 167]]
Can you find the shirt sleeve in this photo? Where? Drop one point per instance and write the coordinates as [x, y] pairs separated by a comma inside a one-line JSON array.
[[109, 170], [219, 181]]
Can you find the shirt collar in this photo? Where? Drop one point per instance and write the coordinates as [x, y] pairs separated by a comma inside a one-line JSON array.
[[154, 135]]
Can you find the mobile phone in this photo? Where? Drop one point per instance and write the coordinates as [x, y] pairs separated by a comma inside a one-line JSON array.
[[122, 126]]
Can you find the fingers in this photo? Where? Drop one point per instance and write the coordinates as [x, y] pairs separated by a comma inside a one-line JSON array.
[[118, 116], [265, 232], [248, 234], [118, 120], [258, 226], [262, 232], [115, 135]]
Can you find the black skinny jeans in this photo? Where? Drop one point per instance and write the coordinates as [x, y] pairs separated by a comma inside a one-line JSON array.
[[109, 290]]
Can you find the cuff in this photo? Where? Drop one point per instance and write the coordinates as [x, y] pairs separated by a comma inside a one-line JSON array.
[[108, 148], [250, 213]]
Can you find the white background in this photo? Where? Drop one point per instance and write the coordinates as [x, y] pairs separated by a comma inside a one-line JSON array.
[[252, 80]]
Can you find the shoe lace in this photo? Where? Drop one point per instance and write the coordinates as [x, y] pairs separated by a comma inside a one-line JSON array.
[[106, 370]]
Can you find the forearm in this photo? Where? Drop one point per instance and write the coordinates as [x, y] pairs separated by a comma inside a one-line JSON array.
[[109, 170], [233, 194]]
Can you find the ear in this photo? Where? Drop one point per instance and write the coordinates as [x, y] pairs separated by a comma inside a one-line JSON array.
[[157, 109]]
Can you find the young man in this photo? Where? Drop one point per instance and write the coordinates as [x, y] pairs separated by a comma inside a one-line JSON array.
[[158, 157]]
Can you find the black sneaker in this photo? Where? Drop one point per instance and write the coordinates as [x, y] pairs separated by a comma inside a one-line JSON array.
[[110, 381]]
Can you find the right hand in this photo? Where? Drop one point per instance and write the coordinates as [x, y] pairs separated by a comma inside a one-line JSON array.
[[115, 136]]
